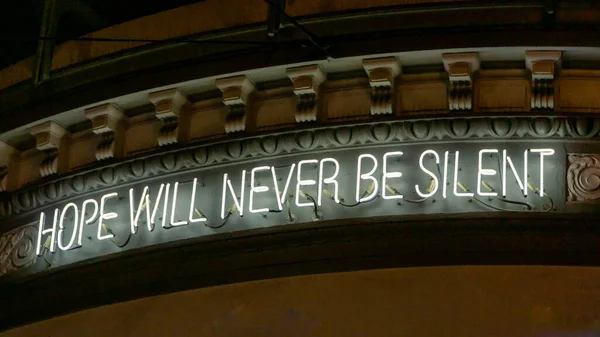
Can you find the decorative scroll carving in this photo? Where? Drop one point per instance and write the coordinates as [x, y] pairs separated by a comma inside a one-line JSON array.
[[17, 248], [236, 91], [542, 66], [583, 178], [382, 73], [460, 68], [306, 82], [105, 122], [49, 139], [304, 141], [168, 105]]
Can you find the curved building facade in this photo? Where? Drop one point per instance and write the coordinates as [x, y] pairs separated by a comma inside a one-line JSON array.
[[307, 168]]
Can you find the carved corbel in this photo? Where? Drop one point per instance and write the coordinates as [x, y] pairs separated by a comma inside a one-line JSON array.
[[382, 73], [50, 139], [306, 82], [106, 121], [236, 91], [543, 66], [168, 105], [9, 164], [460, 68]]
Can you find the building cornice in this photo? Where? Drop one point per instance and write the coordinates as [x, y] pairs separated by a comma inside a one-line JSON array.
[[197, 157]]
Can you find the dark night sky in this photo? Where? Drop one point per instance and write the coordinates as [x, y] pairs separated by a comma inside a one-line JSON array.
[[20, 21]]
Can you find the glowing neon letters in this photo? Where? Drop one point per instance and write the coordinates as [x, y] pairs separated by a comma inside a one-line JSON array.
[[306, 183]]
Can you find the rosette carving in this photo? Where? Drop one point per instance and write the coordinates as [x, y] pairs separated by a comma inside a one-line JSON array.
[[583, 178], [17, 249]]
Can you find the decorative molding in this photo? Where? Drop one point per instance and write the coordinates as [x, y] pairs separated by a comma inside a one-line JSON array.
[[460, 68], [302, 141], [382, 73], [542, 65], [17, 248], [168, 105], [306, 82], [236, 91], [583, 178], [106, 122], [9, 160], [49, 139]]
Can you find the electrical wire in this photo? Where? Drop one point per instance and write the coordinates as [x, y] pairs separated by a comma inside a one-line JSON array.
[[222, 223], [114, 236], [311, 199], [155, 41], [44, 256]]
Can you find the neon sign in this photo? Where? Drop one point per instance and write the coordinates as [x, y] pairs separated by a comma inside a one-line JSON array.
[[326, 186]]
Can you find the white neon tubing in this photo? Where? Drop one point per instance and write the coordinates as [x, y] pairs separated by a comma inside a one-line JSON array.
[[456, 193], [135, 217], [88, 220], [300, 182], [445, 178], [257, 189], [366, 176], [506, 160], [387, 175], [330, 180], [542, 152], [238, 203], [429, 173], [105, 216], [193, 205], [484, 172], [172, 221], [61, 226]]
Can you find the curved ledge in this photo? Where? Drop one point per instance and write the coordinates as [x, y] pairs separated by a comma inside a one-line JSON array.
[[456, 129]]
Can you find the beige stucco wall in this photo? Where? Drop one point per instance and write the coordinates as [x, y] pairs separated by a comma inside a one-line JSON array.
[[465, 301]]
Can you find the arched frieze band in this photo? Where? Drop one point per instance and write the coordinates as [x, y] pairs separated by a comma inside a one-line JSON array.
[[301, 141]]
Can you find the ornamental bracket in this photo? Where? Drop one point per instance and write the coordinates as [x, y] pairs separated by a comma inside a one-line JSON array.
[[382, 73], [106, 122], [306, 82], [543, 65], [168, 105], [50, 139], [236, 91], [9, 165], [460, 68]]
